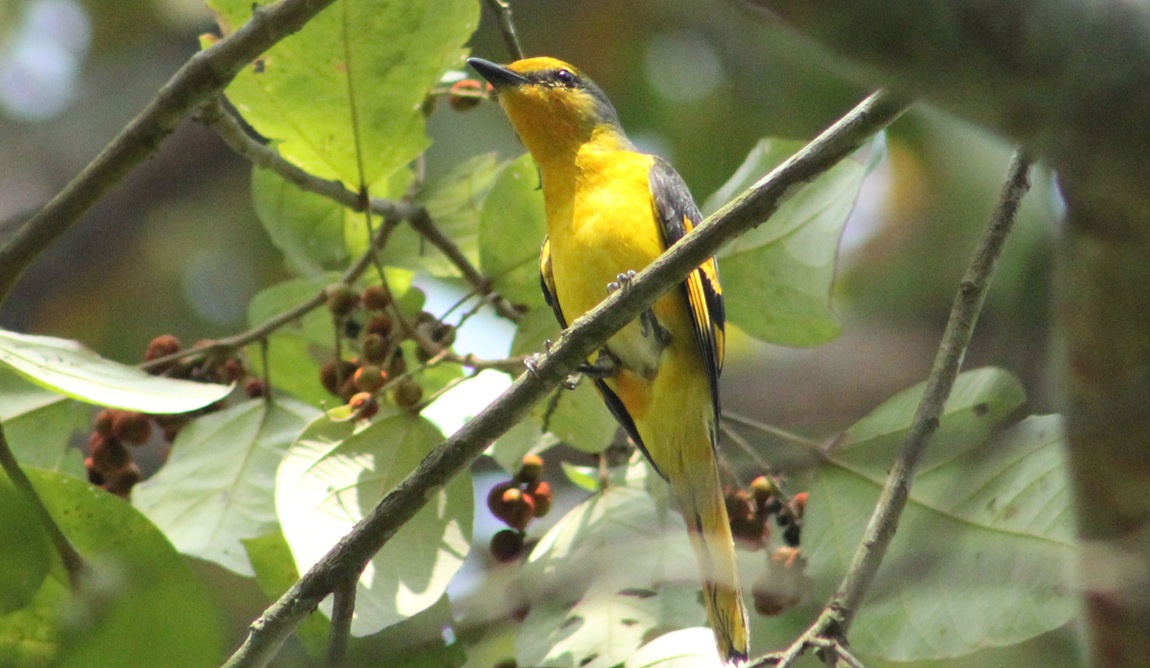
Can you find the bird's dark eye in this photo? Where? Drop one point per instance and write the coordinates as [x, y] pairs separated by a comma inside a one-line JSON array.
[[565, 77]]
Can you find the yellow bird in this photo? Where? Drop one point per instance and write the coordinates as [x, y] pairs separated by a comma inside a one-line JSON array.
[[611, 211]]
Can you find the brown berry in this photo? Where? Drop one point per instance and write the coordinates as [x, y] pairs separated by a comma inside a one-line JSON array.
[[123, 481], [379, 324], [254, 388], [334, 372], [466, 94], [108, 454], [443, 334], [365, 405], [374, 348], [341, 299], [94, 476], [407, 393], [102, 424], [369, 378], [398, 365], [530, 468], [375, 298], [540, 493], [506, 545], [162, 346], [131, 428]]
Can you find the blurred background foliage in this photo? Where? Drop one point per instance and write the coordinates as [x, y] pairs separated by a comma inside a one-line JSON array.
[[177, 247]]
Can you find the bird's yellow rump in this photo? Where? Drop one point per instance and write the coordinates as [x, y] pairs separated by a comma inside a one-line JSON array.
[[612, 210]]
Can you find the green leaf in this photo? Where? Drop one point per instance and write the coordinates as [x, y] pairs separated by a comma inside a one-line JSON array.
[[335, 473], [25, 559], [778, 276], [454, 202], [217, 487], [577, 417], [307, 228], [590, 605], [270, 557], [71, 369], [527, 436], [140, 605], [984, 544], [347, 88], [685, 648], [39, 424], [511, 230]]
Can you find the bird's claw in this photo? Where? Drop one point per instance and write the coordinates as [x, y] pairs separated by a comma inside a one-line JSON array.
[[621, 281]]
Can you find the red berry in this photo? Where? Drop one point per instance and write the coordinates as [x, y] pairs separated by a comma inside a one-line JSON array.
[[466, 94], [530, 469], [381, 324], [365, 405], [333, 373], [800, 504], [540, 494]]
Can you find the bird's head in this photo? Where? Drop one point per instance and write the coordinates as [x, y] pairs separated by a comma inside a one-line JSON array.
[[553, 106]]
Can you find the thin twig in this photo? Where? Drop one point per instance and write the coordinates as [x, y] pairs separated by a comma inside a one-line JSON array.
[[74, 564], [585, 335], [229, 129], [836, 618], [204, 75], [785, 435], [502, 10], [264, 329], [343, 608]]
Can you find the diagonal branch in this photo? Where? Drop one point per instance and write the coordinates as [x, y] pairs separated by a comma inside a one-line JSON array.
[[585, 335], [205, 74]]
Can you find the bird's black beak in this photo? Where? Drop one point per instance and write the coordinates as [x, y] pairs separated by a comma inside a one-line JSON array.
[[498, 75]]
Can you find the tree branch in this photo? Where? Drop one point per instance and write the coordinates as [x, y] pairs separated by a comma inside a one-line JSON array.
[[228, 128], [502, 10], [581, 339], [834, 622], [204, 75]]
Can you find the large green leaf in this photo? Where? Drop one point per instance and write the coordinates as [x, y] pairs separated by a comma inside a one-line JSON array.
[[332, 477], [613, 571], [69, 368], [511, 230], [39, 424], [307, 228], [777, 277], [24, 560], [685, 648], [139, 605], [346, 90], [982, 550], [454, 201], [218, 486]]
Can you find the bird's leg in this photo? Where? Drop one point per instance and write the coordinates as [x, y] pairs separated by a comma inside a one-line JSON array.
[[604, 366], [572, 380], [647, 319]]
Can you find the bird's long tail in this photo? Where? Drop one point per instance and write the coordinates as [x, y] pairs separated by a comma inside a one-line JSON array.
[[701, 500]]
